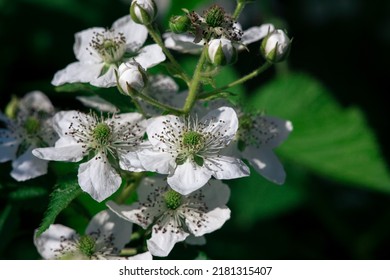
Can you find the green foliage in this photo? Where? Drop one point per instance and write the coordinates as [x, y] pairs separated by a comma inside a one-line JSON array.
[[66, 190], [26, 193], [330, 140]]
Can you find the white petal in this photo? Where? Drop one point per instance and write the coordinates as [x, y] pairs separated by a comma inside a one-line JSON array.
[[8, 149], [107, 80], [214, 220], [77, 72], [135, 33], [157, 161], [188, 177], [98, 103], [82, 48], [130, 161], [63, 120], [266, 163], [98, 178], [256, 33], [182, 43], [56, 241], [113, 230], [150, 56], [143, 256], [224, 167], [72, 153], [222, 121], [28, 166], [127, 119], [156, 127], [131, 213], [161, 244], [37, 101], [215, 194], [278, 128], [195, 240]]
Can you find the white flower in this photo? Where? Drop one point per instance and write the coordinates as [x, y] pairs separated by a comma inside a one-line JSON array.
[[31, 129], [104, 141], [175, 217], [100, 51], [185, 43], [143, 11], [275, 46], [132, 77], [105, 236], [191, 151], [256, 138], [221, 52]]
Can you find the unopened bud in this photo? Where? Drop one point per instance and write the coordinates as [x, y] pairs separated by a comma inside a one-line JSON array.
[[143, 11], [132, 78], [221, 52], [275, 46], [179, 24]]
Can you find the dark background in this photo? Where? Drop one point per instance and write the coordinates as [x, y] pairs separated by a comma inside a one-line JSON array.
[[344, 44]]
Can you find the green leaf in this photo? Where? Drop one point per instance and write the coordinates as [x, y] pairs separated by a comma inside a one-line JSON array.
[[332, 141], [254, 198], [65, 191], [27, 193], [75, 87]]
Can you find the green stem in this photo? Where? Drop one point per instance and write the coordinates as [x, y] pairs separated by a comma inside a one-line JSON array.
[[194, 85], [130, 188], [249, 76], [157, 38], [240, 6]]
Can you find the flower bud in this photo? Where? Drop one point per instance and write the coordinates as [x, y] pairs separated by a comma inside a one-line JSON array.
[[132, 78], [143, 11], [275, 46], [221, 52], [179, 24]]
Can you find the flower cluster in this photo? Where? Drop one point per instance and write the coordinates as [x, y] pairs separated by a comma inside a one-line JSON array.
[[167, 152]]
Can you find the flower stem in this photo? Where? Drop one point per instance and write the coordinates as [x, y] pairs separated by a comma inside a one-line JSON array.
[[157, 38], [194, 85], [240, 6], [130, 188], [247, 77]]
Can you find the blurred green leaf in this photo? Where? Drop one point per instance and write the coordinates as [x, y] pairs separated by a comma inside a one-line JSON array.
[[65, 191], [254, 198], [27, 193], [332, 141]]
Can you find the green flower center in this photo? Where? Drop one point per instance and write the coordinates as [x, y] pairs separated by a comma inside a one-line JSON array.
[[215, 16], [192, 139], [32, 125], [102, 133], [172, 199], [86, 245]]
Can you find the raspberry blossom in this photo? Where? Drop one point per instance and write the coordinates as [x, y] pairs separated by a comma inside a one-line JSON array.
[[132, 77], [143, 11], [32, 128], [275, 46], [105, 236], [174, 217], [100, 51], [103, 141], [221, 52], [191, 151]]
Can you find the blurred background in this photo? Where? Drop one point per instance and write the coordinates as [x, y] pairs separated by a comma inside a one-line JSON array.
[[336, 200]]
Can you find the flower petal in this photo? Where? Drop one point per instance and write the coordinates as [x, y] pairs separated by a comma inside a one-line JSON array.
[[55, 242], [150, 56], [113, 231], [77, 72], [134, 33], [82, 49], [8, 148], [72, 153], [157, 126], [107, 80], [96, 102], [266, 163], [188, 177], [36, 101], [224, 167], [182, 43], [222, 122], [98, 178], [157, 161], [134, 213], [215, 194], [130, 161], [214, 219], [278, 128], [161, 243], [27, 166], [256, 33], [143, 256]]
